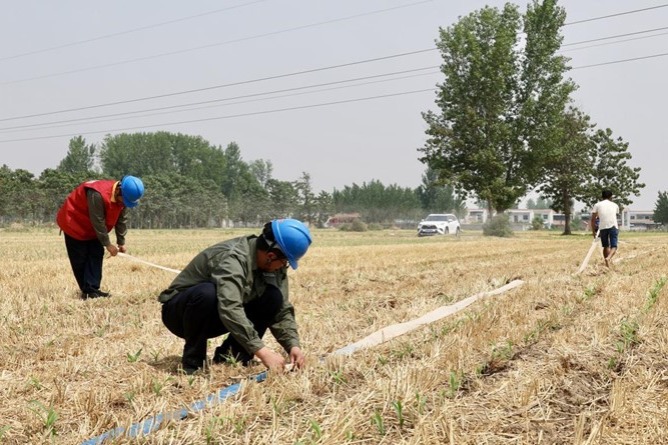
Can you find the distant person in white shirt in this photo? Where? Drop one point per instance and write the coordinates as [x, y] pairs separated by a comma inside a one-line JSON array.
[[606, 211]]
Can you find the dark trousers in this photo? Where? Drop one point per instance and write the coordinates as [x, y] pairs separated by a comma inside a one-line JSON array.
[[86, 261], [193, 316]]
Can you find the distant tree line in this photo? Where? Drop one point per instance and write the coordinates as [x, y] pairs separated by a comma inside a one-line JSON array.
[[192, 183]]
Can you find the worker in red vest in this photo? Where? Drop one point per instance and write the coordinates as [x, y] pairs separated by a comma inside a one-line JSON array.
[[86, 217]]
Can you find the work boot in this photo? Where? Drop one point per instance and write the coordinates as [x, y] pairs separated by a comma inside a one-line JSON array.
[[94, 294], [190, 366], [187, 370]]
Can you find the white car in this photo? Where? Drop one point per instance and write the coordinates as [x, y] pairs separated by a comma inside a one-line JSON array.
[[439, 224]]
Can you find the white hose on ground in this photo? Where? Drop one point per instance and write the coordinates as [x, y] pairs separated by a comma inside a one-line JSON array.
[[133, 258], [591, 250], [396, 330]]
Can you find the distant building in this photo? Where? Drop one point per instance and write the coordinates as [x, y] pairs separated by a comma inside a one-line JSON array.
[[637, 219], [475, 216], [523, 218], [520, 216], [547, 215], [630, 219]]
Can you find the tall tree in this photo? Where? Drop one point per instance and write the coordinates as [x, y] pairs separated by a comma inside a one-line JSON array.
[[570, 164], [145, 154], [661, 209], [284, 198], [611, 171], [325, 205], [498, 102], [140, 154], [239, 185], [80, 158], [438, 198], [306, 199], [261, 170]]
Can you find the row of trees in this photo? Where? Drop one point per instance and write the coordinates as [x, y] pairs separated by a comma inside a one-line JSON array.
[[191, 183], [507, 124]]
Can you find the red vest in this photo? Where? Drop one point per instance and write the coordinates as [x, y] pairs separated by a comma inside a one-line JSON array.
[[73, 217]]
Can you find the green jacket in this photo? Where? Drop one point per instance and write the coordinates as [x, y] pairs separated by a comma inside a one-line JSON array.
[[231, 266]]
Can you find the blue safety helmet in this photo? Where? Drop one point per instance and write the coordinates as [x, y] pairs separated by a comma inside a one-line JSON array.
[[293, 237], [132, 189]]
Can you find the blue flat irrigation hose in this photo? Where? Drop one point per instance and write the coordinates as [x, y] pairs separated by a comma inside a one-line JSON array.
[[149, 425]]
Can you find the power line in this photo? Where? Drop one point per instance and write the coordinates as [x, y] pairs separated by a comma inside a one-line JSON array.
[[254, 113], [618, 41], [129, 31], [216, 11], [243, 102], [212, 45], [230, 41], [617, 36], [19, 127], [615, 15], [258, 80], [196, 90], [290, 74], [613, 62], [208, 103], [290, 108]]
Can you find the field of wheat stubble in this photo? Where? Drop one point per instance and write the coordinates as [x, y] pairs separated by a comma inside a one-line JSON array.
[[565, 358]]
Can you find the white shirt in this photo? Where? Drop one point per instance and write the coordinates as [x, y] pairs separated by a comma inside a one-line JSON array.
[[607, 214]]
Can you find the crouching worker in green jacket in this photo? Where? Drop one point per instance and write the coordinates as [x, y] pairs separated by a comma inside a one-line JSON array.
[[239, 286]]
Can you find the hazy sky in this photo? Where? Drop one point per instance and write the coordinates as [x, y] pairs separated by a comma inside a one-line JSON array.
[[268, 75]]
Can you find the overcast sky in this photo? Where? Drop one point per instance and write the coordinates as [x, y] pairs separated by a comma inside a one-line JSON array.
[[268, 75]]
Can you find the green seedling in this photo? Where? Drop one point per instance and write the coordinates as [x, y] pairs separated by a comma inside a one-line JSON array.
[[653, 294], [629, 333], [377, 420], [338, 377], [399, 409], [47, 415], [421, 402], [455, 382], [129, 396], [158, 386], [316, 430], [132, 358]]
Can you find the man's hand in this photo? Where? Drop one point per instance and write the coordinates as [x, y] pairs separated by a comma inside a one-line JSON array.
[[297, 357], [271, 359], [113, 250]]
